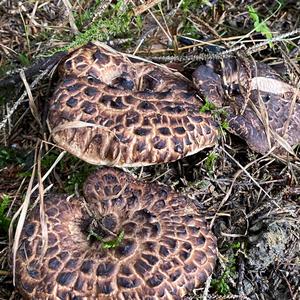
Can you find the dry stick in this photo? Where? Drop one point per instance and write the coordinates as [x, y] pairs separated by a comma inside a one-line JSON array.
[[35, 69], [226, 53], [32, 85], [206, 289]]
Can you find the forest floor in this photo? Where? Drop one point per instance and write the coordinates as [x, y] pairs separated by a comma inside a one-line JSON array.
[[252, 200]]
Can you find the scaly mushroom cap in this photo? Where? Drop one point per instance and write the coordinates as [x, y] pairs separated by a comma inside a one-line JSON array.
[[110, 110], [261, 104], [166, 252]]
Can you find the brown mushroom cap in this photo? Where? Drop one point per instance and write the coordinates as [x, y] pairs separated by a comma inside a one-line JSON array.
[[260, 104], [110, 110], [167, 248]]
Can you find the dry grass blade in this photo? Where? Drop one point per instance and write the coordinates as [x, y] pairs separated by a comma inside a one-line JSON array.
[[244, 169], [32, 105], [58, 159], [78, 124], [292, 107], [145, 6], [43, 220], [22, 211], [236, 175], [167, 34], [70, 15]]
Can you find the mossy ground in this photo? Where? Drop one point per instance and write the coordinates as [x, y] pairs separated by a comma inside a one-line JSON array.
[[242, 205]]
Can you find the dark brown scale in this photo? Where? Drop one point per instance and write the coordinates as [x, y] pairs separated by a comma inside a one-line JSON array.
[[146, 121], [65, 278], [104, 288], [179, 130], [132, 118], [200, 257], [141, 146], [75, 87], [106, 99], [105, 269], [163, 251], [126, 249], [142, 131], [52, 251], [117, 104], [79, 284], [175, 275], [127, 282], [101, 57], [68, 64], [72, 102], [33, 273], [163, 95], [141, 267], [190, 127], [91, 91], [123, 83], [173, 110], [29, 229], [146, 106], [87, 266], [190, 268], [155, 280], [88, 107], [178, 145], [159, 144]]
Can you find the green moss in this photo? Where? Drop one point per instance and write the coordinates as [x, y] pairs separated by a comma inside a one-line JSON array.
[[116, 22], [24, 59], [193, 5], [222, 284], [4, 221], [10, 156], [211, 161]]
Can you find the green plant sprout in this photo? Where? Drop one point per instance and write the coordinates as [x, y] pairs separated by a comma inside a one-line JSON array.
[[260, 26], [112, 244], [207, 107]]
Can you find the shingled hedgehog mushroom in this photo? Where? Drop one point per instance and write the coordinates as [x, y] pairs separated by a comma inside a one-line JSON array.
[[261, 108], [111, 110], [166, 251]]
